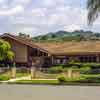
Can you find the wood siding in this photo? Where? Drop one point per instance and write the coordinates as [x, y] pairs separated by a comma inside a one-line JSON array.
[[20, 51]]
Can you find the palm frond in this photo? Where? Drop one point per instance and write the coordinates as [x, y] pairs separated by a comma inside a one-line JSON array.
[[93, 7]]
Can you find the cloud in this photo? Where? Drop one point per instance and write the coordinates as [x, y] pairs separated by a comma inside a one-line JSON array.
[[72, 28], [42, 16], [21, 2], [2, 1], [12, 11], [42, 20], [39, 12], [52, 3]]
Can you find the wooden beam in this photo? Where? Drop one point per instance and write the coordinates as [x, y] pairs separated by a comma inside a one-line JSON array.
[[97, 58]]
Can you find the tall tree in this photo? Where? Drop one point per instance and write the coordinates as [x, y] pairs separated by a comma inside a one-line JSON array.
[[5, 51], [93, 7]]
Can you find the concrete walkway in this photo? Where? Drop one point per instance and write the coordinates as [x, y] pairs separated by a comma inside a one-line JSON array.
[[17, 79], [20, 78]]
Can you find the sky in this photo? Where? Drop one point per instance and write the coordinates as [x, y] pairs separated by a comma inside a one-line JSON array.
[[36, 17]]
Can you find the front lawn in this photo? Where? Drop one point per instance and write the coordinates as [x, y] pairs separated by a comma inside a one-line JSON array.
[[45, 81], [81, 80], [19, 74]]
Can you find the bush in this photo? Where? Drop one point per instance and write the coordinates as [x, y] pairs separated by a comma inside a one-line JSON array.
[[62, 79], [74, 67], [4, 78], [85, 69], [91, 80], [65, 69], [81, 79], [56, 69], [95, 71]]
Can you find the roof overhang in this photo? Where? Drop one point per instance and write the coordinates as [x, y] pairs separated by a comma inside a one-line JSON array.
[[24, 42]]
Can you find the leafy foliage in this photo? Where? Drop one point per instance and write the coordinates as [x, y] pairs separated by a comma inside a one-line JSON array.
[[94, 8], [62, 79], [5, 51], [56, 69]]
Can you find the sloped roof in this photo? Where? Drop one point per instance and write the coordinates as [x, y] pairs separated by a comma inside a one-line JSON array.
[[84, 47], [74, 47], [23, 41]]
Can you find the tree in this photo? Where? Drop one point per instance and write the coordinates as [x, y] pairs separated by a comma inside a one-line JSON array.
[[5, 51], [24, 35], [93, 7]]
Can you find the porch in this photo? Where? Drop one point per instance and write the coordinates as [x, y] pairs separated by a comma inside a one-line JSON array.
[[83, 58]]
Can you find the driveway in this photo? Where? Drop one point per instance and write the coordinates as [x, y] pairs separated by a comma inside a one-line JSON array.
[[42, 92]]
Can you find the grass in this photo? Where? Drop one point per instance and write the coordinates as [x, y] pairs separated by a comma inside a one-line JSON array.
[[83, 79], [37, 81], [90, 75], [21, 74], [49, 76]]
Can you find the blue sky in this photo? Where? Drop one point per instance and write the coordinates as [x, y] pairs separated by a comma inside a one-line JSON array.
[[37, 17]]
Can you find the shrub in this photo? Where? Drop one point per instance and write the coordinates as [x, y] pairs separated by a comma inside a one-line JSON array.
[[82, 79], [85, 69], [4, 78], [95, 71], [56, 69], [65, 69], [74, 67], [91, 80], [62, 79]]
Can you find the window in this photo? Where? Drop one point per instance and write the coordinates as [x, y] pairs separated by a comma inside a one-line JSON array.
[[87, 59], [60, 61]]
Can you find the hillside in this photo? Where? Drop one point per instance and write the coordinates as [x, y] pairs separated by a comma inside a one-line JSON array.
[[62, 36]]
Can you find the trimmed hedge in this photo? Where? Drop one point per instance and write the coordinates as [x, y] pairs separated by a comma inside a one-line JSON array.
[[55, 69], [4, 78], [62, 79], [81, 79]]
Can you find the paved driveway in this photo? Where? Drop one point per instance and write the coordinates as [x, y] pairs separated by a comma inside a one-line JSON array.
[[38, 92]]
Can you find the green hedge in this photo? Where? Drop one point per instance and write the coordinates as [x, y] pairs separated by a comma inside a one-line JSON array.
[[55, 69], [62, 79], [81, 79], [4, 78]]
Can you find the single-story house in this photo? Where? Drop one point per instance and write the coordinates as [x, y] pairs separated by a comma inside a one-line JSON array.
[[28, 53]]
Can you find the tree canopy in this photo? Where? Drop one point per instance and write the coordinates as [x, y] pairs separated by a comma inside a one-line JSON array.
[[5, 51]]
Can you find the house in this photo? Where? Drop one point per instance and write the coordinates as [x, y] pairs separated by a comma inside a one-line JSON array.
[[28, 53]]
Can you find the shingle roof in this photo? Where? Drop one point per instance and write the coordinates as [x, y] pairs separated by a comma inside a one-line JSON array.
[[84, 47], [24, 41], [74, 47]]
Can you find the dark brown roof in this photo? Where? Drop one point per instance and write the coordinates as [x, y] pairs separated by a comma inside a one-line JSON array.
[[24, 41]]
